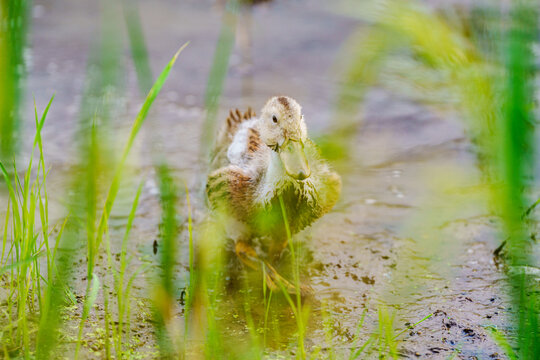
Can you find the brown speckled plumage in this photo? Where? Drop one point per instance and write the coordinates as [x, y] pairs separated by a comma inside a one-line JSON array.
[[254, 141], [283, 101], [226, 135], [235, 188], [248, 177], [235, 118]]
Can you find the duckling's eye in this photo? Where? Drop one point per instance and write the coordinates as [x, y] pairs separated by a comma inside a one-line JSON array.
[[274, 119]]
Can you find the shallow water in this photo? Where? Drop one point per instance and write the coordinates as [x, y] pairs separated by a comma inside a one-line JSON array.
[[404, 233]]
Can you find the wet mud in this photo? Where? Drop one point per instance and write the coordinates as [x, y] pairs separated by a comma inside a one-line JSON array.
[[395, 238]]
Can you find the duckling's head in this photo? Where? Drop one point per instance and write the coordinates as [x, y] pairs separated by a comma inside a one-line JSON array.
[[282, 128]]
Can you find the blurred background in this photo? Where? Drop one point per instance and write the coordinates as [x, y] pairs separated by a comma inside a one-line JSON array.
[[427, 109]]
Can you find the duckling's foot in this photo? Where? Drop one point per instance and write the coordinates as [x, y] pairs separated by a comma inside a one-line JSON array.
[[276, 249], [277, 282], [273, 279], [306, 290]]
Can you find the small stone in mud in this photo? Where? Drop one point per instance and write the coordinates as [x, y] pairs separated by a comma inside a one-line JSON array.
[[182, 296], [354, 277], [468, 332], [367, 280], [155, 247], [436, 349], [450, 324]]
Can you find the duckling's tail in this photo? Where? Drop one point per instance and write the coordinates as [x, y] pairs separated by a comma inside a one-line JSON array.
[[236, 118], [226, 135]]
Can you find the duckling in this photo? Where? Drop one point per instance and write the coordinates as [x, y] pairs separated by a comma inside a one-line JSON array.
[[266, 167]]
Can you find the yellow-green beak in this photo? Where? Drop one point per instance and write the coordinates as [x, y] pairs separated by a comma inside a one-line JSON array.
[[294, 160]]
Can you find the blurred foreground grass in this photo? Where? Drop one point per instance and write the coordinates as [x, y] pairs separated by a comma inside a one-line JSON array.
[[14, 22], [487, 72], [495, 95]]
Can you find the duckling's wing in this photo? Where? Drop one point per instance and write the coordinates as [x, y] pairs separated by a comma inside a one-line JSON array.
[[244, 147], [226, 135], [231, 189]]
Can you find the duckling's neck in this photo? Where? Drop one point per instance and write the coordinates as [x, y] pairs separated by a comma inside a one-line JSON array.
[[273, 179]]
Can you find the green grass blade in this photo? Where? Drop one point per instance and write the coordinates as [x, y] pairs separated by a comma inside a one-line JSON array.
[[41, 122], [164, 298], [113, 190], [139, 51], [502, 342], [218, 72], [20, 263], [51, 321]]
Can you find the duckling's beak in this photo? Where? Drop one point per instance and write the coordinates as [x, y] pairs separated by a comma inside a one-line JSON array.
[[294, 159]]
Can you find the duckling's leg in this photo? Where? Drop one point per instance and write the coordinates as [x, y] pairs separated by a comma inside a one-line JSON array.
[[248, 256], [276, 249]]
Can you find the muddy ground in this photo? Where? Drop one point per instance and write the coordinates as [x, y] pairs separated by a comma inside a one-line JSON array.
[[405, 232]]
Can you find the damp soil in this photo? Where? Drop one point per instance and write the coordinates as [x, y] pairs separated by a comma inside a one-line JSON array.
[[395, 238]]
